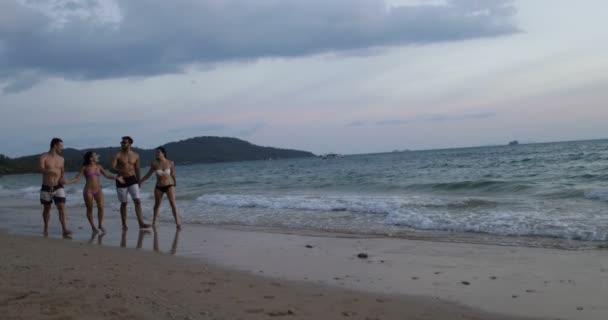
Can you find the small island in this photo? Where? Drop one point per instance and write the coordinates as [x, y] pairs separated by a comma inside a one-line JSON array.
[[513, 143]]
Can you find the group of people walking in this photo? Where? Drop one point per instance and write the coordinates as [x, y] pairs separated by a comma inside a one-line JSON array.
[[126, 165]]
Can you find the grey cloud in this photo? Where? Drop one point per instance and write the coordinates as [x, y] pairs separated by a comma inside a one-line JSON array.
[[356, 124], [159, 37], [20, 83], [454, 117], [392, 122], [252, 130], [438, 118]]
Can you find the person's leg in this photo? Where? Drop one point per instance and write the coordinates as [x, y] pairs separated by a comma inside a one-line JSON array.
[[171, 196], [46, 199], [158, 197], [62, 218], [88, 202], [99, 199], [46, 215], [122, 197], [134, 191]]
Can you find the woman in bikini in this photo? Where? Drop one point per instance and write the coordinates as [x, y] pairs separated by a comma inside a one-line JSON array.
[[165, 183], [92, 170]]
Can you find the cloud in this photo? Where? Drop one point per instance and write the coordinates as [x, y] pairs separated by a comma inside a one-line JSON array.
[[21, 82], [392, 122], [95, 39], [438, 118], [455, 117], [251, 131], [356, 124]]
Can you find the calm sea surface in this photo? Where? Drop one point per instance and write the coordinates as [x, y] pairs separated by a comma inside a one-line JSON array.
[[543, 193]]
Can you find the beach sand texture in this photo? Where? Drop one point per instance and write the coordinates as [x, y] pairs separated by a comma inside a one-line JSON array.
[[42, 278]]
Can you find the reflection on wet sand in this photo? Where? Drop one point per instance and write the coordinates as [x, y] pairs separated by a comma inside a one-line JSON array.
[[173, 245], [97, 235], [142, 234], [140, 238]]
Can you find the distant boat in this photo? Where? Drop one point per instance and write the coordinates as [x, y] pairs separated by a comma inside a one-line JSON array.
[[330, 156], [513, 143]]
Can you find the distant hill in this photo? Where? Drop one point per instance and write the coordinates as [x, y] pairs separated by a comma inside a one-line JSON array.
[[189, 151]]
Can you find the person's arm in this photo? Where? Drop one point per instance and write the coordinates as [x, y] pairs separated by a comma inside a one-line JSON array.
[[136, 167], [173, 174], [109, 176], [152, 168], [77, 176], [114, 163], [62, 179], [41, 164]]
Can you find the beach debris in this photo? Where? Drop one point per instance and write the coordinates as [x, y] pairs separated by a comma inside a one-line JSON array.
[[348, 313], [579, 308], [493, 277], [415, 278], [514, 296], [466, 283], [362, 255], [309, 246], [280, 313]]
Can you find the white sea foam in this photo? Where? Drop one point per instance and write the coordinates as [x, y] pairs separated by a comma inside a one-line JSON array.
[[460, 215], [597, 194]]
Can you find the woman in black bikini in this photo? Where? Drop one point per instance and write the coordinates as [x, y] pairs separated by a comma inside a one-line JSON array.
[[165, 183], [92, 170]]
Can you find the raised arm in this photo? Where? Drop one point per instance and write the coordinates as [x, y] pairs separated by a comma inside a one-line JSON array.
[[77, 176], [173, 174], [152, 168]]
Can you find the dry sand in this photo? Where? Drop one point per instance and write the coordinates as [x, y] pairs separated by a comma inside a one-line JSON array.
[[43, 278]]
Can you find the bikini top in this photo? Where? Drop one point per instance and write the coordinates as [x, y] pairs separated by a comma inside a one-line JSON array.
[[163, 172], [92, 173]]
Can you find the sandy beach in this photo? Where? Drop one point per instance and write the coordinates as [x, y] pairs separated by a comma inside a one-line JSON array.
[[46, 278]]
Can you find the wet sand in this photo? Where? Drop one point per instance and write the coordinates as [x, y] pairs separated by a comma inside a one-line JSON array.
[[236, 273], [45, 278]]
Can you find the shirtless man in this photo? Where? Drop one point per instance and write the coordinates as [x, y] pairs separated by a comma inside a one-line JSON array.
[[126, 164], [53, 179]]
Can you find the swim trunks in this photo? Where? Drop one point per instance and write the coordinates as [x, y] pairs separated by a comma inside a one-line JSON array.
[[48, 194], [131, 186]]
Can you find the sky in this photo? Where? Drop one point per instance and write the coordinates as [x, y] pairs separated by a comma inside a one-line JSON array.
[[344, 76]]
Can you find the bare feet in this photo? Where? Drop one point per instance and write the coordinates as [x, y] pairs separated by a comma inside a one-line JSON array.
[[94, 230], [143, 225], [67, 233], [103, 230]]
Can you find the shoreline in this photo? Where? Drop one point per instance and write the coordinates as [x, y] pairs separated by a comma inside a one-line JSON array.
[[514, 280], [53, 278]]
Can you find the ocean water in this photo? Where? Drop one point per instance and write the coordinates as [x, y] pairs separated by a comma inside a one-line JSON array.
[[546, 194]]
